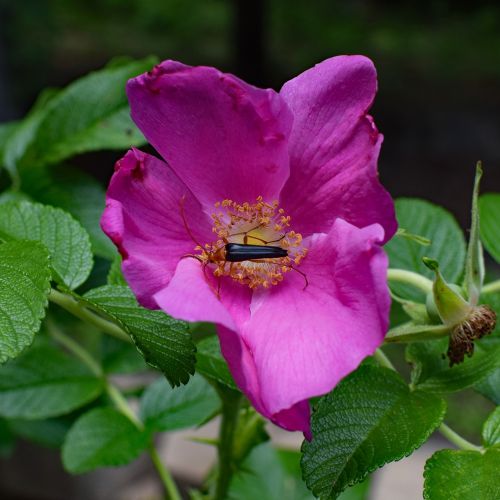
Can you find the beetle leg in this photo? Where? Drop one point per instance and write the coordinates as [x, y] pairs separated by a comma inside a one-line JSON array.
[[290, 266]]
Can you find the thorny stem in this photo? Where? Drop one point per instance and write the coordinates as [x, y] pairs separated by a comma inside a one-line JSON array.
[[448, 433], [492, 287], [410, 278], [230, 411], [119, 401], [76, 309]]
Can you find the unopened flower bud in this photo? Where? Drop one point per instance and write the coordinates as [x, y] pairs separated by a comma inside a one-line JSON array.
[[451, 306], [467, 322]]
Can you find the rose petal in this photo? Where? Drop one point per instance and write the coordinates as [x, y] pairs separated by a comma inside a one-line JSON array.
[[143, 218], [334, 148], [191, 295], [304, 341], [241, 363], [222, 137]]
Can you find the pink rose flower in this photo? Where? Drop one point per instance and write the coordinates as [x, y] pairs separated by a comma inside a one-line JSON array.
[[295, 170]]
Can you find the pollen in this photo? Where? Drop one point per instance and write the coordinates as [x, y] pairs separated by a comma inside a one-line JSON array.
[[258, 223]]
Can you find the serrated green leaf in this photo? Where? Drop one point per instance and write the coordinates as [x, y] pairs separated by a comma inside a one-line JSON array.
[[491, 429], [462, 475], [115, 275], [290, 459], [210, 363], [447, 243], [24, 288], [164, 342], [431, 371], [77, 193], [67, 242], [489, 210], [103, 437], [43, 383], [88, 115], [164, 408], [371, 418]]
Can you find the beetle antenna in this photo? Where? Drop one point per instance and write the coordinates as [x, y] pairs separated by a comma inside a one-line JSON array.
[[304, 275], [183, 215]]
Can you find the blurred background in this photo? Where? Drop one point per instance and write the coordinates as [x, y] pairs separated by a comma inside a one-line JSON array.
[[438, 62], [438, 104]]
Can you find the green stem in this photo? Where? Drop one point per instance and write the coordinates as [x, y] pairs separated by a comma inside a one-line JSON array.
[[168, 482], [383, 360], [448, 433], [230, 412], [456, 439], [410, 278], [57, 334], [492, 287], [76, 309], [121, 403], [117, 398]]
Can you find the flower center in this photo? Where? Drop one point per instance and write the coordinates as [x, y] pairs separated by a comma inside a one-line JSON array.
[[251, 225]]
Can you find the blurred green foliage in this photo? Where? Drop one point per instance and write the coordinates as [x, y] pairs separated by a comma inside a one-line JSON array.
[[50, 42]]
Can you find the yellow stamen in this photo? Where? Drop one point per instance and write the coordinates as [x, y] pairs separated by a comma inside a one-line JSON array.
[[258, 223]]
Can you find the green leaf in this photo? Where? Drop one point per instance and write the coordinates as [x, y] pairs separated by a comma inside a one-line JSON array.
[[75, 192], [88, 115], [164, 408], [164, 342], [7, 439], [267, 474], [24, 288], [115, 275], [210, 363], [490, 385], [12, 196], [491, 429], [371, 418], [44, 382], [66, 240], [474, 263], [121, 357], [462, 475], [103, 437], [489, 210], [6, 131], [447, 243], [431, 371], [19, 141], [49, 433]]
